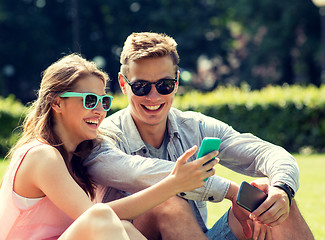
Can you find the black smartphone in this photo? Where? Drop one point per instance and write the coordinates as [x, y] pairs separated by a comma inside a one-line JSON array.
[[250, 197]]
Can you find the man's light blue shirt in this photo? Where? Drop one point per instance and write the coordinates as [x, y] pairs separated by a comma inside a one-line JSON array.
[[113, 167]]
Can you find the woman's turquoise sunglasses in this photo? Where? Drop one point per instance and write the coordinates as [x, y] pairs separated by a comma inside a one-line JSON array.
[[90, 100]]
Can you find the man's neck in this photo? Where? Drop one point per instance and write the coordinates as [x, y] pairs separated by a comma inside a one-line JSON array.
[[152, 135]]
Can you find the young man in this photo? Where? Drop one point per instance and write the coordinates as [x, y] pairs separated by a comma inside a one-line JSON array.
[[150, 127]]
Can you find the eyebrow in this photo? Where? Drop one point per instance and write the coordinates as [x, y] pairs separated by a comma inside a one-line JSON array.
[[166, 77]]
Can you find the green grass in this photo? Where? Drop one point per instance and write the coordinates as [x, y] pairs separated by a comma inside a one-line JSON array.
[[3, 167], [310, 197]]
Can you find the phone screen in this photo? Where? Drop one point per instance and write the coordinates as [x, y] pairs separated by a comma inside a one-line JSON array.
[[250, 197]]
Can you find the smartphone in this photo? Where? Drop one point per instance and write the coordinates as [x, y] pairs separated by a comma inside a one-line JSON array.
[[209, 144], [250, 197]]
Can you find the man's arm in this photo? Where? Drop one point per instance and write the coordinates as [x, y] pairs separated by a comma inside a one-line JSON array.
[[111, 167], [250, 155], [259, 158]]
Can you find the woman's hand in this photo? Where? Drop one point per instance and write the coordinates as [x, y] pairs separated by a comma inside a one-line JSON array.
[[184, 177], [191, 175]]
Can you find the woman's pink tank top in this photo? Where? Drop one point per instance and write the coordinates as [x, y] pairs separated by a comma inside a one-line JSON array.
[[40, 221]]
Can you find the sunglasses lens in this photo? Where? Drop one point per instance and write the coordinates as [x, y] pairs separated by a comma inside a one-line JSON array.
[[106, 103], [90, 101], [141, 88], [165, 86]]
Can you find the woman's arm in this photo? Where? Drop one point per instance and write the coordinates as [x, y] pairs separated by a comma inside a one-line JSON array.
[[184, 177], [45, 171]]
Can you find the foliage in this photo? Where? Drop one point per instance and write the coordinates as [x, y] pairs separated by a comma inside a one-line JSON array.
[[310, 194], [219, 41], [12, 112], [279, 41], [290, 116]]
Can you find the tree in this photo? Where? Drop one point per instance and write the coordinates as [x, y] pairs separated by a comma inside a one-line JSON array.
[[219, 41], [281, 41]]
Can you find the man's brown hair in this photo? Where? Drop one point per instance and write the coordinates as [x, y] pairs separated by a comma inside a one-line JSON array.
[[147, 45]]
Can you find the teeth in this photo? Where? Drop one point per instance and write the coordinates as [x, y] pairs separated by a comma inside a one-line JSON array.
[[92, 121], [153, 107]]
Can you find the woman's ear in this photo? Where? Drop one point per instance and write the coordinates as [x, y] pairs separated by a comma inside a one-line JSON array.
[[56, 105], [121, 81]]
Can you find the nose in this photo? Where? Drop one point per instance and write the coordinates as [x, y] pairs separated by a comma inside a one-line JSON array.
[[153, 92], [99, 108]]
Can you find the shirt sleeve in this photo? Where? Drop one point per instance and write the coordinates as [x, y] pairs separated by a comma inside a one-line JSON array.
[[249, 155], [111, 167]]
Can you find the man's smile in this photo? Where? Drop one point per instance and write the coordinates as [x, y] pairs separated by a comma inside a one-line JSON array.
[[152, 107]]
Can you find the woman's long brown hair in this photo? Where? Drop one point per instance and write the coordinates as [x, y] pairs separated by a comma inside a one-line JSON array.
[[58, 78]]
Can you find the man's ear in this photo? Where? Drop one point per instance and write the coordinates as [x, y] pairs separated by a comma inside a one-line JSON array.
[[121, 81], [177, 83], [56, 105]]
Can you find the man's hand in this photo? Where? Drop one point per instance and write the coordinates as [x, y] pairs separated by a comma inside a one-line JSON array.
[[261, 231], [242, 216], [275, 209]]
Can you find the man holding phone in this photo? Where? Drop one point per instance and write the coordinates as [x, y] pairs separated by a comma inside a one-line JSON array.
[[150, 127]]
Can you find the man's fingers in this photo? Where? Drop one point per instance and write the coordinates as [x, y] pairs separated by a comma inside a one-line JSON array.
[[268, 218], [246, 229], [257, 229], [262, 233], [268, 234], [260, 185], [280, 219], [263, 208]]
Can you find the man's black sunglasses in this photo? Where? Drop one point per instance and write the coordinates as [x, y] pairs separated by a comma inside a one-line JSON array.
[[141, 87]]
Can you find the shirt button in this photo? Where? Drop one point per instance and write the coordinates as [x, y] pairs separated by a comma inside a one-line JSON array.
[[211, 198], [183, 194], [144, 151]]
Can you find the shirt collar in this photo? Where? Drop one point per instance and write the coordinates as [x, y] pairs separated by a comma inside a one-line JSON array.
[[133, 137], [172, 124]]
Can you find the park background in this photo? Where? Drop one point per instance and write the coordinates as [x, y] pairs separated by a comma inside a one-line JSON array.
[[254, 64]]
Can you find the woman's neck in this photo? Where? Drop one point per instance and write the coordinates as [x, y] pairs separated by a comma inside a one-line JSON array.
[[69, 143]]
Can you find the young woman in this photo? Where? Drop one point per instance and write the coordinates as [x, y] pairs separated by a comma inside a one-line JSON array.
[[46, 192]]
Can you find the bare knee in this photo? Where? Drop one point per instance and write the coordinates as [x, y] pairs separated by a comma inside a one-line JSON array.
[[100, 218], [176, 213], [133, 233], [168, 214], [98, 222], [235, 226], [99, 212], [294, 227], [173, 219], [127, 225], [174, 207]]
